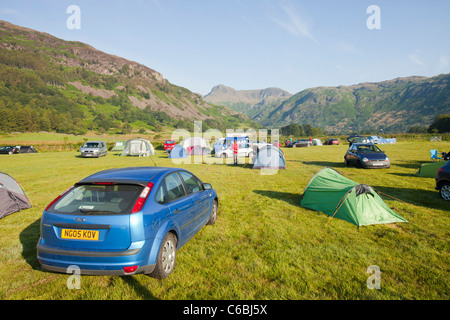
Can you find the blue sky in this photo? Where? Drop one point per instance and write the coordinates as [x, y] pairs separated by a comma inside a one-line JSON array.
[[255, 44]]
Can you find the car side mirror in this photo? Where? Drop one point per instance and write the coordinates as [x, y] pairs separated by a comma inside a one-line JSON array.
[[207, 186]]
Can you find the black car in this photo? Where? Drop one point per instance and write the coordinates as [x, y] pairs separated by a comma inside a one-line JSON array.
[[8, 150], [443, 181], [366, 155], [301, 143]]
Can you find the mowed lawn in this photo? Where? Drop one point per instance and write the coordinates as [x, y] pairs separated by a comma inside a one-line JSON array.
[[264, 245]]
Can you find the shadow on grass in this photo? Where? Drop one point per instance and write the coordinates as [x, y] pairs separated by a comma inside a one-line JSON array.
[[322, 163], [416, 197], [29, 237], [291, 198]]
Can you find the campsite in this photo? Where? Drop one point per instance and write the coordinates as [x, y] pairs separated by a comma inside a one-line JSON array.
[[265, 244]]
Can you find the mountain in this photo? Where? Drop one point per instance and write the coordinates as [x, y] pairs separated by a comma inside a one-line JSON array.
[[249, 102], [51, 84], [393, 106]]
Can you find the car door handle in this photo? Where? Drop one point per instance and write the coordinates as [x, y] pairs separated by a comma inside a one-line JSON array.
[[177, 211]]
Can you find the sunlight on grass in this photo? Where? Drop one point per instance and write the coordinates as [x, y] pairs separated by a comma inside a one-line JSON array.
[[264, 244]]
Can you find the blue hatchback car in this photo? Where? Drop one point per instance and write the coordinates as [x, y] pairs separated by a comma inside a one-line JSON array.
[[125, 221]]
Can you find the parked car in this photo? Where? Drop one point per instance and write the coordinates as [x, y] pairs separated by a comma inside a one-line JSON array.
[[94, 149], [224, 151], [9, 150], [443, 181], [366, 155], [330, 142], [301, 143], [125, 221], [168, 145]]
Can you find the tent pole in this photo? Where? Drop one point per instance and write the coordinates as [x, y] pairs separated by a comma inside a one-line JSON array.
[[338, 208]]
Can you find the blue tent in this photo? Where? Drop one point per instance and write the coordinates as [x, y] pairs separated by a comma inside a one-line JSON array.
[[269, 157], [178, 152]]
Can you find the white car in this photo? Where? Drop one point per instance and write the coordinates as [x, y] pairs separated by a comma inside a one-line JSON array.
[[245, 150]]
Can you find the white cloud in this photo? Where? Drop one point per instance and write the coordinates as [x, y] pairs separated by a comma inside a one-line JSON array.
[[293, 22], [414, 57]]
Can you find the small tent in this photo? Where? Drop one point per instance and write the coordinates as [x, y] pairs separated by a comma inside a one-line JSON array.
[[27, 149], [12, 196], [194, 141], [317, 142], [197, 151], [430, 170], [333, 194], [118, 146], [138, 147], [178, 152], [269, 157]]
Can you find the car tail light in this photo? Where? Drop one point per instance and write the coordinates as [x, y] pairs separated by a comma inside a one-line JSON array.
[[142, 198], [58, 197], [130, 269], [104, 183], [440, 170]]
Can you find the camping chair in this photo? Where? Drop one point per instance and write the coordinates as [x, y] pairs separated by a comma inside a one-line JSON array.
[[434, 155]]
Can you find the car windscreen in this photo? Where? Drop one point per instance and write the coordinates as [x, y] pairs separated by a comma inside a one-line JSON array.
[[99, 199], [367, 149], [169, 142], [90, 145]]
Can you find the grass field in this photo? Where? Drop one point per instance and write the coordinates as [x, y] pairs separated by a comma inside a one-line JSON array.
[[264, 245]]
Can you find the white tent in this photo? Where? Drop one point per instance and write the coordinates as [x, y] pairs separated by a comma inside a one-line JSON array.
[[317, 142], [194, 141], [138, 147]]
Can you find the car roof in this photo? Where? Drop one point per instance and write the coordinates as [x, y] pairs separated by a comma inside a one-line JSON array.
[[139, 175], [362, 144]]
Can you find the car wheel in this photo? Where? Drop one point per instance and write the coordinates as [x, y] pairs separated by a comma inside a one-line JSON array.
[[213, 217], [345, 161], [445, 191], [223, 155], [166, 257]]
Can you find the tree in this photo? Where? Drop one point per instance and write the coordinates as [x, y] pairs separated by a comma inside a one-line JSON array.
[[441, 124]]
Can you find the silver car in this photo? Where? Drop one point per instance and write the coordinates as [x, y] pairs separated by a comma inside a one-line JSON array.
[[94, 149]]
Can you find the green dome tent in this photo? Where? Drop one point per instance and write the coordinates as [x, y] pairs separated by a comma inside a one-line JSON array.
[[335, 195]]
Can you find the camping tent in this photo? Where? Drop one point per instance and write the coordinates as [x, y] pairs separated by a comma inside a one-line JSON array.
[[27, 149], [138, 147], [197, 151], [178, 152], [317, 142], [118, 146], [333, 194], [430, 170], [269, 157], [12, 196], [194, 141]]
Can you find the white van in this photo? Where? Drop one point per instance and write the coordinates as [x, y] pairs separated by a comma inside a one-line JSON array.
[[94, 149]]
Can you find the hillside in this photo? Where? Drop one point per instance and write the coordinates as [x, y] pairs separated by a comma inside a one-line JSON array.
[[393, 106], [249, 102], [66, 86]]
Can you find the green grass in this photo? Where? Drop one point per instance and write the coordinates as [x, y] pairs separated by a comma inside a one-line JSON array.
[[263, 245]]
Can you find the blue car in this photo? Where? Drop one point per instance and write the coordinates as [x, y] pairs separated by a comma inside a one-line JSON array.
[[125, 221], [366, 155]]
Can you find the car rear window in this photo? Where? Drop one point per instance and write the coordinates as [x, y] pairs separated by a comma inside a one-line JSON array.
[[99, 199]]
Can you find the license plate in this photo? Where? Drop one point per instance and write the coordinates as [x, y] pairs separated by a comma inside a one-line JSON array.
[[378, 164], [79, 234]]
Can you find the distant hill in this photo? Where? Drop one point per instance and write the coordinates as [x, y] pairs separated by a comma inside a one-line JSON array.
[[393, 105], [50, 84], [249, 102]]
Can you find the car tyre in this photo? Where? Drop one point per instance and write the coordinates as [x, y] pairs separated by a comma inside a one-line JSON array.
[[223, 155], [165, 263], [444, 191], [345, 161], [214, 210]]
